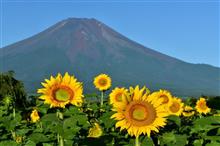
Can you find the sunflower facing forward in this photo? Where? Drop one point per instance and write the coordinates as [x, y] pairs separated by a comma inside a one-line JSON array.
[[201, 106], [102, 82], [141, 115], [60, 91], [118, 97], [162, 94], [175, 107]]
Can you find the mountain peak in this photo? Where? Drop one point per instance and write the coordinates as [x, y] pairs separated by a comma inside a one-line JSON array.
[[73, 20], [80, 19], [87, 47]]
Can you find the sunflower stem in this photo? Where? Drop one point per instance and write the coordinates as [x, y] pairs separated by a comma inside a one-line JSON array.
[[60, 139], [13, 134], [137, 141], [14, 112], [102, 96]]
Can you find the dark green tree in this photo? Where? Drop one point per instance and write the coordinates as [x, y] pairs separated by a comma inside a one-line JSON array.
[[10, 87]]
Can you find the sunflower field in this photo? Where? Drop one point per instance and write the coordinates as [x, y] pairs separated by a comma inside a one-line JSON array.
[[61, 114]]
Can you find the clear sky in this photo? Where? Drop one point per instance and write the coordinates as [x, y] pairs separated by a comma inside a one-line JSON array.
[[188, 30]]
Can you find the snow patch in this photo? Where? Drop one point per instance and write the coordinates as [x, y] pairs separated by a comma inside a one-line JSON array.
[[59, 26]]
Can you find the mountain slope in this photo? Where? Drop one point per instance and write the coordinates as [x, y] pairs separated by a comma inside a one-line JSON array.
[[87, 47]]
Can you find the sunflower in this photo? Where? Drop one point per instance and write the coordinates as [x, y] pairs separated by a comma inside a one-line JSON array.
[[95, 131], [118, 97], [162, 94], [175, 107], [141, 114], [188, 111], [201, 106], [102, 82], [18, 139], [60, 91], [34, 116]]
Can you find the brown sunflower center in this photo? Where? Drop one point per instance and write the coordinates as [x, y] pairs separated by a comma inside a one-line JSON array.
[[202, 105], [174, 107], [118, 97], [165, 99], [102, 82], [140, 113], [63, 94]]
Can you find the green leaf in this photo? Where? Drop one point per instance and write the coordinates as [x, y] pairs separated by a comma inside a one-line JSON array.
[[49, 118], [94, 107], [173, 139], [69, 123], [11, 123], [213, 138], [47, 144], [22, 131], [198, 142], [175, 119], [213, 143], [181, 140], [82, 119], [218, 131], [8, 143], [169, 137], [68, 143], [38, 137], [43, 108], [30, 143], [146, 141], [108, 122], [206, 124], [70, 128]]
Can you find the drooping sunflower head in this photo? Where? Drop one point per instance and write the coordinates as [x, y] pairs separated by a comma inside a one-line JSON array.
[[34, 116], [102, 82], [18, 139], [141, 115], [175, 107], [118, 97], [188, 111], [60, 91], [95, 131], [162, 94], [202, 107]]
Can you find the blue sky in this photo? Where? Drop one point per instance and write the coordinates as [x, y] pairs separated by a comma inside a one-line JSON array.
[[188, 30]]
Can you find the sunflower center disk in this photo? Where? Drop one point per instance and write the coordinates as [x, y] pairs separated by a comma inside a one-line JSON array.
[[139, 113], [175, 107], [203, 105], [102, 82], [119, 97], [165, 99], [62, 95]]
